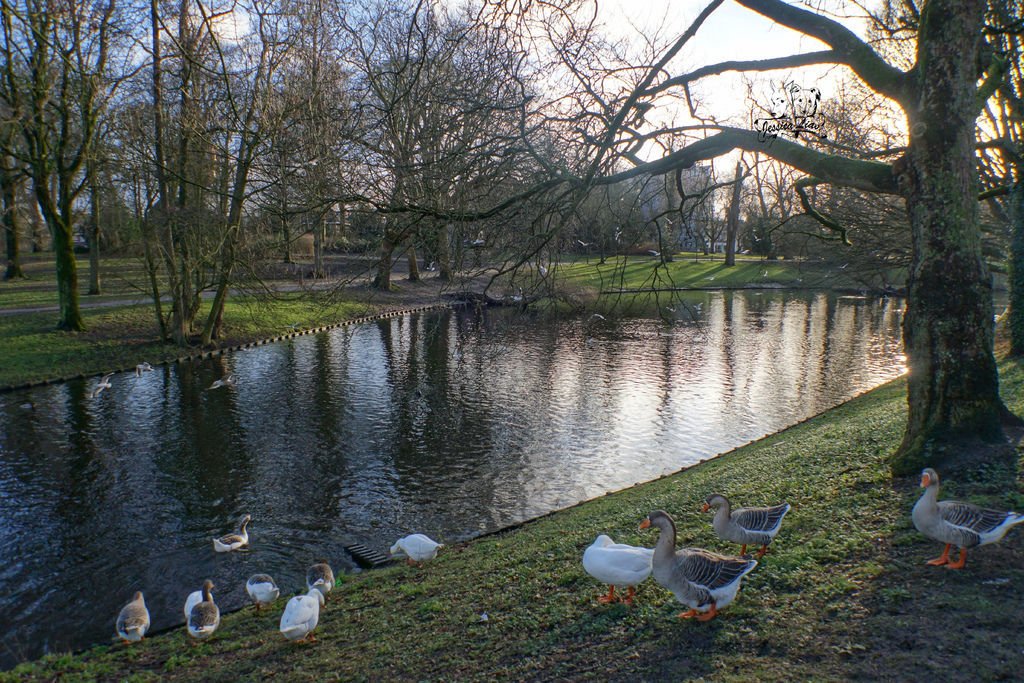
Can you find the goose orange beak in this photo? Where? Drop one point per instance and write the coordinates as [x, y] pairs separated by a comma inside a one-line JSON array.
[[645, 524], [705, 507], [926, 480]]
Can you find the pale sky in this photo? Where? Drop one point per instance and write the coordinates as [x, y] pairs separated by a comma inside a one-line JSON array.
[[731, 32]]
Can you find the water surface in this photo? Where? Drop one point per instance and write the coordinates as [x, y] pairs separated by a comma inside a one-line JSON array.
[[444, 423]]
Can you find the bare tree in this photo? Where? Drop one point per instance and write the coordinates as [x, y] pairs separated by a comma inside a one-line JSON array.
[[56, 83]]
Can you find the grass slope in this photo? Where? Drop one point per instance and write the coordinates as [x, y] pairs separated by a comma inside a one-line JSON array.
[[126, 335], [844, 594]]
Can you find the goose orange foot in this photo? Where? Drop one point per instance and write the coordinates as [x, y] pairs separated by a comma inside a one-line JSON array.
[[688, 614], [710, 614], [762, 551], [959, 564], [605, 599], [941, 559], [629, 596]]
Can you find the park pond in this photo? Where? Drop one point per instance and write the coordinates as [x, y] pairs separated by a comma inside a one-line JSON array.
[[450, 422]]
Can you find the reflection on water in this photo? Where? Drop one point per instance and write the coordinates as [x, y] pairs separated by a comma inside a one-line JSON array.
[[442, 423]]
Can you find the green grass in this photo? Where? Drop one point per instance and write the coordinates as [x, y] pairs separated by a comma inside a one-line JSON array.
[[122, 336], [644, 272], [844, 594]]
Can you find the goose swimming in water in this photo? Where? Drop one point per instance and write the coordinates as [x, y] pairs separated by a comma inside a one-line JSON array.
[[230, 542]]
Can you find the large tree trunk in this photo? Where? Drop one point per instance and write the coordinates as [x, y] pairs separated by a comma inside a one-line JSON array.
[[9, 190], [1016, 319], [94, 229], [67, 279], [953, 385], [387, 250], [732, 224], [414, 266]]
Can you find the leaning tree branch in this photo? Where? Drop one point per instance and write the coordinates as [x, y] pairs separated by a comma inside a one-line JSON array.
[[878, 74], [801, 186], [791, 61], [871, 176]]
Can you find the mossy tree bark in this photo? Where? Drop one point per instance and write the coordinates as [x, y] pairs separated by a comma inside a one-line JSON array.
[[953, 384], [1016, 318], [9, 192]]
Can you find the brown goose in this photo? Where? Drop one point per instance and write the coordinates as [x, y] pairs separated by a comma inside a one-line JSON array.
[[205, 617], [954, 523], [321, 577], [229, 542], [702, 580], [748, 526], [133, 621]]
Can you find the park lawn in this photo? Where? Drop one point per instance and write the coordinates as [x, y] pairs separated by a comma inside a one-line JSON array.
[[644, 272], [120, 337], [843, 594]]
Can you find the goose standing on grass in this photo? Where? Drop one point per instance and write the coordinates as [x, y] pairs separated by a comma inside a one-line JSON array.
[[193, 599], [321, 577], [262, 590], [747, 526], [301, 615], [104, 383], [133, 621], [204, 618], [954, 523], [416, 548], [230, 542], [701, 580], [228, 381], [617, 564]]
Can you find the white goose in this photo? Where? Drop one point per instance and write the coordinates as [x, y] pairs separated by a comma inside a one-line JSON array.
[[702, 580], [230, 542], [133, 621], [617, 564], [262, 590], [416, 548], [204, 618], [142, 367], [301, 615], [954, 523]]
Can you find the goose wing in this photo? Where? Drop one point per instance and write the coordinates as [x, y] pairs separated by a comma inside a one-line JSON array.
[[204, 617], [761, 519], [711, 570], [970, 521], [133, 618]]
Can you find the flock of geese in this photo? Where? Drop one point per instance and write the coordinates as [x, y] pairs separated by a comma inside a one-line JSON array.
[[702, 580], [302, 613], [706, 581]]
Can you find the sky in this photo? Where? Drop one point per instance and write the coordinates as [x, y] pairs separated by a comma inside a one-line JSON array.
[[731, 32]]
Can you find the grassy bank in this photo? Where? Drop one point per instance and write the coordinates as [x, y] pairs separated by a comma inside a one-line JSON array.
[[645, 272], [122, 336], [844, 593]]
